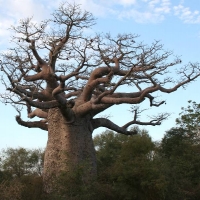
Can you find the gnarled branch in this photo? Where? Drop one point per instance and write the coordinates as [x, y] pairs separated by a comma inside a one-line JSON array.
[[38, 113], [37, 124], [103, 122]]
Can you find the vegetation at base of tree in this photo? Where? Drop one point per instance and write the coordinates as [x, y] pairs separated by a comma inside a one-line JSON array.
[[129, 168], [20, 173]]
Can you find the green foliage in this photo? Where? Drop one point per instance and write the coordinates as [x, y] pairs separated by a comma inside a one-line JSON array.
[[179, 154], [129, 168], [20, 161], [136, 168], [20, 174], [127, 164], [190, 118], [135, 171], [108, 145], [72, 185], [175, 142]]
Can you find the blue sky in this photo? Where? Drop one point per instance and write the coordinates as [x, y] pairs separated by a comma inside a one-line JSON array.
[[175, 23]]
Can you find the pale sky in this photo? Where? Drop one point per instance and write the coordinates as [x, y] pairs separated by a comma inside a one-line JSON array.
[[175, 23]]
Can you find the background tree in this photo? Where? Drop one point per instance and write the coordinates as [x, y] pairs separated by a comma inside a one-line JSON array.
[[108, 146], [19, 162], [190, 119], [20, 173], [68, 77], [128, 166], [179, 155]]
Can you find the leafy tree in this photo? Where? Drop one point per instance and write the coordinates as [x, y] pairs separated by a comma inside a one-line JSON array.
[[128, 166], [20, 174], [180, 157], [108, 146], [68, 77], [179, 152], [19, 162], [190, 119], [173, 142]]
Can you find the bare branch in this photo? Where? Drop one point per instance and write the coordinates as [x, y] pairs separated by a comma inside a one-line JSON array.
[[38, 113], [102, 122], [35, 53], [36, 124], [83, 75], [154, 121]]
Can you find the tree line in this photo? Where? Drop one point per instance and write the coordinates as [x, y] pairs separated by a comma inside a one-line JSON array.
[[129, 167]]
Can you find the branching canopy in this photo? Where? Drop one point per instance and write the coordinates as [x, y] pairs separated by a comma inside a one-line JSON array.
[[56, 64]]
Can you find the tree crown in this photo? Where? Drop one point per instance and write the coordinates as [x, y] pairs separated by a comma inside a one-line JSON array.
[[56, 64]]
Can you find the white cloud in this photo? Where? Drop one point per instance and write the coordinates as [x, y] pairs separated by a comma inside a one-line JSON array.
[[17, 9], [97, 8], [11, 11], [158, 6], [141, 11], [126, 2], [186, 15], [152, 3], [142, 17], [152, 11], [110, 3]]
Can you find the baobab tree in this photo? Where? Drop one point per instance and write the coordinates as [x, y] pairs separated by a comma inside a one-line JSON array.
[[66, 77]]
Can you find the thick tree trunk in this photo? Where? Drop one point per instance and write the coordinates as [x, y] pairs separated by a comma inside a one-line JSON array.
[[68, 146]]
